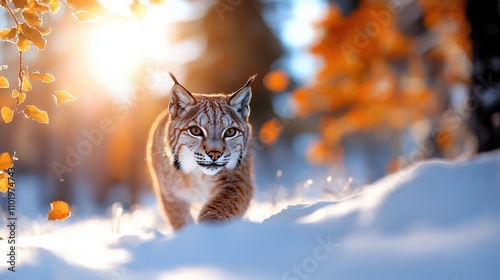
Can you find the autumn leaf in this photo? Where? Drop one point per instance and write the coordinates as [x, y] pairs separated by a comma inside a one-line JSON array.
[[31, 111], [35, 76], [59, 211], [23, 44], [12, 34], [54, 6], [4, 83], [4, 32], [31, 17], [15, 93], [6, 161], [44, 31], [276, 81], [270, 131], [444, 139], [62, 96], [7, 114], [8, 33], [46, 78], [26, 86], [20, 99], [89, 6], [319, 153], [84, 16], [33, 35], [38, 7], [19, 4], [87, 10], [4, 182]]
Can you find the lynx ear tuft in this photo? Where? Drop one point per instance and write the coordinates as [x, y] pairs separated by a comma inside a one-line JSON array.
[[173, 78], [180, 98], [240, 100]]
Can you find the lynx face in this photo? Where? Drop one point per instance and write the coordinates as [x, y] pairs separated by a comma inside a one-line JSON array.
[[209, 132]]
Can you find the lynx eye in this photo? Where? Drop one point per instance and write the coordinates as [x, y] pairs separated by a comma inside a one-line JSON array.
[[196, 131], [230, 132]]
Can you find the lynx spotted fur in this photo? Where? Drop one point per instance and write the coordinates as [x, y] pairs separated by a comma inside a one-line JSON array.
[[199, 153]]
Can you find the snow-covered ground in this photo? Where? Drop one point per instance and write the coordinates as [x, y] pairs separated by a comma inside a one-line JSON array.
[[438, 220]]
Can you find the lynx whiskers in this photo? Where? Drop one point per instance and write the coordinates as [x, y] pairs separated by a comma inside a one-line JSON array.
[[199, 153]]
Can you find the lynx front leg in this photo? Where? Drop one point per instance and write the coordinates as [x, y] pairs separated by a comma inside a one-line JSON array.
[[230, 202], [176, 210]]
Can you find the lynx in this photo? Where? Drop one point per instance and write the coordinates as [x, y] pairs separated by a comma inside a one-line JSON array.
[[199, 154]]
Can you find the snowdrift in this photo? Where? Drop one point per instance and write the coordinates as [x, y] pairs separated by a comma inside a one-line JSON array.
[[438, 220]]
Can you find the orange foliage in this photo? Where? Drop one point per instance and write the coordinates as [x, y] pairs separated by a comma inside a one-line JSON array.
[[6, 161], [59, 211], [4, 182], [276, 81], [270, 131], [322, 153], [444, 139], [374, 76]]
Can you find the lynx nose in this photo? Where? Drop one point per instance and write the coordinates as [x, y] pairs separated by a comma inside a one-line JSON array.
[[214, 155]]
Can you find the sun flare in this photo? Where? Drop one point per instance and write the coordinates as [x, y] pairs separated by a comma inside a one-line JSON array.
[[115, 53], [119, 48]]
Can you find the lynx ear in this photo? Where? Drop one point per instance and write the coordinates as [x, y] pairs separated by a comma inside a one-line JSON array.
[[240, 100], [180, 98]]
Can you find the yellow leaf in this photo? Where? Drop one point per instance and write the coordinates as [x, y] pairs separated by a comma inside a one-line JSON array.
[[8, 33], [38, 7], [63, 96], [54, 6], [84, 16], [20, 99], [23, 44], [31, 111], [79, 4], [19, 4], [44, 31], [48, 78], [31, 17], [59, 211], [4, 32], [34, 36], [4, 182], [12, 34], [7, 114], [92, 7], [26, 86], [6, 161], [4, 83], [35, 76], [15, 93]]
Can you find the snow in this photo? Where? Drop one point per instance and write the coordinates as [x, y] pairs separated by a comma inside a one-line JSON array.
[[437, 220]]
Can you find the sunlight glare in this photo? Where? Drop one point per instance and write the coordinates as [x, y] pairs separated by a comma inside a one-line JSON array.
[[115, 54], [118, 49]]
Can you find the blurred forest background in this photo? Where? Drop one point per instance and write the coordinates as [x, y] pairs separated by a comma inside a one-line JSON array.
[[347, 91]]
